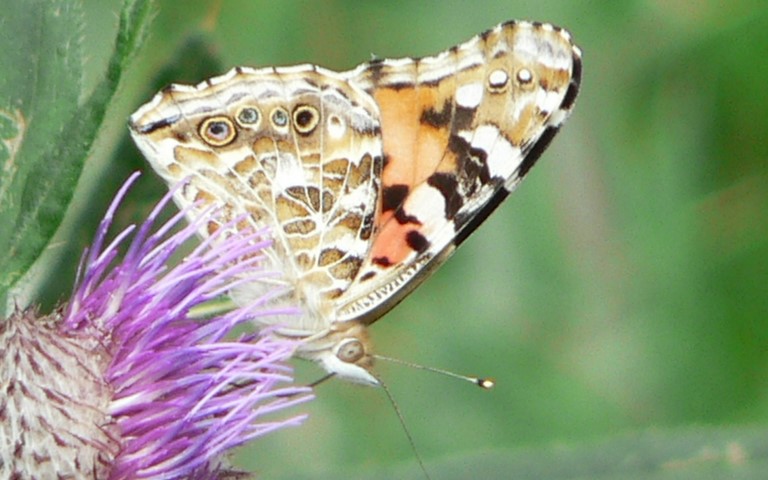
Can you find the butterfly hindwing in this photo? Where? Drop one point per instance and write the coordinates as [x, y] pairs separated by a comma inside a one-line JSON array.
[[303, 159]]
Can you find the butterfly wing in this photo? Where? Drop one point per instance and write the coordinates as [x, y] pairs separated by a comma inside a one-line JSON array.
[[297, 150], [368, 179], [460, 131]]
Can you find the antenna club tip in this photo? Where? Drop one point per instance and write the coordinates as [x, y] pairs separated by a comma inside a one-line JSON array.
[[486, 383]]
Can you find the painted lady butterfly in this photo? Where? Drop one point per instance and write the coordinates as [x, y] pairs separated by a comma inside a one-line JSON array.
[[368, 179]]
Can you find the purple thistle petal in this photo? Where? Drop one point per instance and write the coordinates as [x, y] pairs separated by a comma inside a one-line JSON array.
[[183, 393]]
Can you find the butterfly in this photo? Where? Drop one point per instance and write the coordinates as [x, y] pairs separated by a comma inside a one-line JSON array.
[[367, 179]]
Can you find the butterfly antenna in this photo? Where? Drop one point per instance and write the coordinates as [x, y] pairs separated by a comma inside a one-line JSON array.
[[405, 427], [485, 383]]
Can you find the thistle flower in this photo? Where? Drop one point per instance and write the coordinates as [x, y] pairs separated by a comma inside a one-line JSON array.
[[122, 383]]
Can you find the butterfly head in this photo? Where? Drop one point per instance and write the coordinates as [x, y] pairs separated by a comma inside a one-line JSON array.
[[344, 352]]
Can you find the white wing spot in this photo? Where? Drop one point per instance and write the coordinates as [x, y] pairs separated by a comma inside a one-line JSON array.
[[503, 158], [336, 127], [469, 96]]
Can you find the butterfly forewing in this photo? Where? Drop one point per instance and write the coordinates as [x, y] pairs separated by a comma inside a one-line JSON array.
[[460, 131]]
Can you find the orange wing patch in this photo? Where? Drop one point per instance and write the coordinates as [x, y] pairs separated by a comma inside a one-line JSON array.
[[407, 135]]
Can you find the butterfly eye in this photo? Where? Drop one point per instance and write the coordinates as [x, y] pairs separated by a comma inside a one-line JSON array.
[[248, 116], [217, 131], [279, 118], [350, 350], [305, 118]]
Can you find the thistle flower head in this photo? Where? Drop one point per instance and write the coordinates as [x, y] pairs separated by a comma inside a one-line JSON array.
[[122, 382]]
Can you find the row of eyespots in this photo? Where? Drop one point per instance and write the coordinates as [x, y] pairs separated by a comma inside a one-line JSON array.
[[220, 130], [498, 80]]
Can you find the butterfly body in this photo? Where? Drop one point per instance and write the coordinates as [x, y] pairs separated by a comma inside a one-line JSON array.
[[368, 179]]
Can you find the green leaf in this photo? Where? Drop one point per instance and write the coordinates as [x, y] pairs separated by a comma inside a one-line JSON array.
[[50, 134], [40, 83]]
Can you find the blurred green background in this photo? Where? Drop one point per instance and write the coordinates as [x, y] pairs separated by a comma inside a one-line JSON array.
[[622, 289]]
